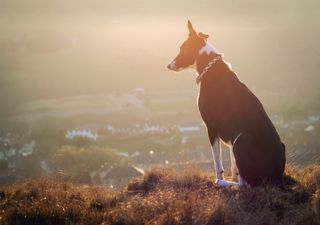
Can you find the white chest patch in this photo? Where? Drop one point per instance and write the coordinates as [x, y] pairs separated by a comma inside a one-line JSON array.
[[208, 48]]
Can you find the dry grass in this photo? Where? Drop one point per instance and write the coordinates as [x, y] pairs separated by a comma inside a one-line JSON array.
[[164, 197]]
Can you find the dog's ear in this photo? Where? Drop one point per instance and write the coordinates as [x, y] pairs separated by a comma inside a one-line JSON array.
[[202, 35], [191, 30]]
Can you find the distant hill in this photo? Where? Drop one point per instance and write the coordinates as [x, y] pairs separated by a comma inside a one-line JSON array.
[[164, 197]]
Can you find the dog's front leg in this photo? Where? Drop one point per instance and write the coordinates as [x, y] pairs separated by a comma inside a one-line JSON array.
[[216, 152], [234, 168]]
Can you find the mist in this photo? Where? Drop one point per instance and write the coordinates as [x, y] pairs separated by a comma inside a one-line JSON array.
[[54, 49]]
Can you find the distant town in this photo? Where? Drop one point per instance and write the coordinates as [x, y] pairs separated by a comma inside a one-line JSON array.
[[160, 130]]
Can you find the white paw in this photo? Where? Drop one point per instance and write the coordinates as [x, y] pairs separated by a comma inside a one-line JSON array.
[[225, 183], [234, 178]]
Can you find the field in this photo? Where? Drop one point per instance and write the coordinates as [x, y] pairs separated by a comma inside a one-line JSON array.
[[165, 197]]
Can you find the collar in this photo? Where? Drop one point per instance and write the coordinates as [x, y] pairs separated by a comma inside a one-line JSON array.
[[209, 65]]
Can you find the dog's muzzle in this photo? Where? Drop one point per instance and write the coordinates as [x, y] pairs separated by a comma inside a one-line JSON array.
[[172, 66]]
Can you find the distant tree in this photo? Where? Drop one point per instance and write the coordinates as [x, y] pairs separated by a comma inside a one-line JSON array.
[[80, 162], [81, 142]]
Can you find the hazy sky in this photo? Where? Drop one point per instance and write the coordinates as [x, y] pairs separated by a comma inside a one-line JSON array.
[[57, 48]]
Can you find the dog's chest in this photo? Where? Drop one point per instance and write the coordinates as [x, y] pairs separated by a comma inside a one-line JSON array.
[[206, 105]]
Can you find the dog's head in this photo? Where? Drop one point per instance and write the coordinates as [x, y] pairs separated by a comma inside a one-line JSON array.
[[189, 50]]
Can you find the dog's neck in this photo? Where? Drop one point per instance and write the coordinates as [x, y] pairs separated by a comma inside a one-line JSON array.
[[206, 53]]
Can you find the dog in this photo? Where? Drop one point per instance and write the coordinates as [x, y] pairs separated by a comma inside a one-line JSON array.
[[233, 115]]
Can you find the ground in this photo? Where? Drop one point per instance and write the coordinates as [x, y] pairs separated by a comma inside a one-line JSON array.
[[165, 196]]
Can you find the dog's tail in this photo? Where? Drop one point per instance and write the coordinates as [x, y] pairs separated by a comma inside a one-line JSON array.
[[288, 181]]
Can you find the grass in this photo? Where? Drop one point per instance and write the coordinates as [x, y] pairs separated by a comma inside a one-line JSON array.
[[164, 196]]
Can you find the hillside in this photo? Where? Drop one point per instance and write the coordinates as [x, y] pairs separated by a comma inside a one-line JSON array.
[[164, 197]]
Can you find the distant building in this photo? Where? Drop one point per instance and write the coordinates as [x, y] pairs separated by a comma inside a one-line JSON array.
[[184, 129], [309, 128], [123, 154], [314, 118], [139, 91], [27, 149], [138, 129], [81, 133]]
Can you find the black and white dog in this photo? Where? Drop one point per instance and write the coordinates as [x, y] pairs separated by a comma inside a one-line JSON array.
[[232, 114]]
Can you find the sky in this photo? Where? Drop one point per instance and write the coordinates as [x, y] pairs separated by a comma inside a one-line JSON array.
[[51, 49]]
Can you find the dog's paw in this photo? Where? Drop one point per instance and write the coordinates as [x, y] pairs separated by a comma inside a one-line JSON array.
[[225, 183], [234, 178]]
